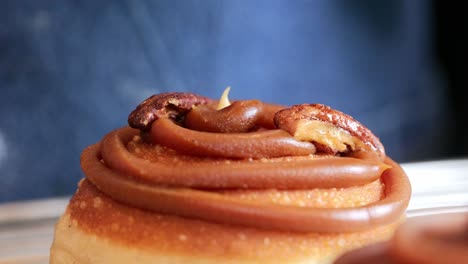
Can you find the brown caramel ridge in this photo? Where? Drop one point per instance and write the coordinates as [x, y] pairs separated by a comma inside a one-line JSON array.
[[99, 215], [215, 207]]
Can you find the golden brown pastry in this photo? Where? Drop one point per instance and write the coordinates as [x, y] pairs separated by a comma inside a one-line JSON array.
[[190, 182]]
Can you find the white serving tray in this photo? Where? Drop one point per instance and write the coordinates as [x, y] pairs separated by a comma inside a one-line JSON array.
[[26, 228]]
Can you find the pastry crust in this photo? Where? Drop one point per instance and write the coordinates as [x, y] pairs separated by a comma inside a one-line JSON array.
[[259, 195], [97, 229]]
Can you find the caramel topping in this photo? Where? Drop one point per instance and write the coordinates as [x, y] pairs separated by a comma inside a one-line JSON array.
[[213, 206], [193, 158], [164, 233], [238, 117], [262, 144], [281, 173]]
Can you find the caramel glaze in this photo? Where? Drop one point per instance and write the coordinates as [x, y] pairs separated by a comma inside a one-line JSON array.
[[190, 170], [102, 217], [154, 194], [424, 239], [281, 173], [240, 116], [267, 143]]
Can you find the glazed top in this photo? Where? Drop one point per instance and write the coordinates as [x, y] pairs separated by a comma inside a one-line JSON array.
[[183, 152]]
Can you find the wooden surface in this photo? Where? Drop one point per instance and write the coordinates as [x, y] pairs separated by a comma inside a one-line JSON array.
[[26, 228]]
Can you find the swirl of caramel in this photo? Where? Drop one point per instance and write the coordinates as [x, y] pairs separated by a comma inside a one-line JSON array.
[[186, 171]]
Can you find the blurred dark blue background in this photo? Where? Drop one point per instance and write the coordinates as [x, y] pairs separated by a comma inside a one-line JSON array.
[[70, 71]]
